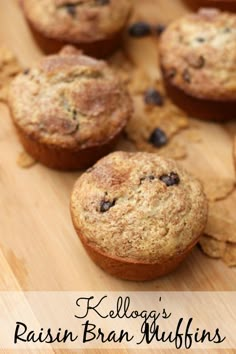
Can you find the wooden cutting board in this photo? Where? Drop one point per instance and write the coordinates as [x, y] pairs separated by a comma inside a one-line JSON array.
[[39, 249]]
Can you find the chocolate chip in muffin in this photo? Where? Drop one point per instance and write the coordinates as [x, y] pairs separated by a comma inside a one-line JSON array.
[[153, 97], [171, 74], [198, 63], [200, 39], [139, 29], [106, 205], [71, 9], [159, 29], [102, 2], [171, 179], [158, 138], [26, 71], [186, 76], [74, 114]]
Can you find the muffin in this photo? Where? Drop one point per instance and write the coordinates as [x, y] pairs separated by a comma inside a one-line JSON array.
[[69, 109], [138, 215], [95, 26], [198, 58]]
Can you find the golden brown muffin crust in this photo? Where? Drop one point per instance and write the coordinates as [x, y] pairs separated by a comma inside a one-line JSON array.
[[198, 54], [123, 208], [70, 100], [77, 21]]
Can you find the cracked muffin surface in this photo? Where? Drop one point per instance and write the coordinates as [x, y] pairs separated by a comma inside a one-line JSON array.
[[70, 101], [139, 207], [198, 54], [77, 21]]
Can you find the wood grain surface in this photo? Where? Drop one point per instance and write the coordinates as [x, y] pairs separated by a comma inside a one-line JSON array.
[[39, 249]]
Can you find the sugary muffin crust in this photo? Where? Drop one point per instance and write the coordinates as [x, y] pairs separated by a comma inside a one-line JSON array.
[[69, 101], [138, 207], [198, 54], [77, 21]]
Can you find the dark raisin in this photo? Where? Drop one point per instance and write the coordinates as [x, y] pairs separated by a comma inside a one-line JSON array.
[[139, 29], [186, 76], [106, 205], [26, 71], [171, 179], [71, 9], [200, 39], [171, 74], [160, 29], [147, 178], [74, 114], [226, 30], [153, 97], [102, 2], [200, 63], [158, 138]]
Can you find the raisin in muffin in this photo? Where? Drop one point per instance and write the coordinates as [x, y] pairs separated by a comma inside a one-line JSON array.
[[138, 215], [69, 109], [93, 25], [198, 58]]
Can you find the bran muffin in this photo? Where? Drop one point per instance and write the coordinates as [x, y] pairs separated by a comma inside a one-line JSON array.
[[198, 58], [69, 109], [95, 26], [138, 215]]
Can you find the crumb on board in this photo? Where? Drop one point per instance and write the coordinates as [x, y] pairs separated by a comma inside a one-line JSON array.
[[221, 224], [193, 135], [168, 118], [219, 250], [25, 161], [146, 118], [9, 68], [211, 247], [230, 255], [217, 188]]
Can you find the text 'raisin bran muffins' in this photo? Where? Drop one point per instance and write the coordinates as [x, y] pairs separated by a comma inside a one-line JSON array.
[[95, 26], [138, 215], [198, 58], [69, 110]]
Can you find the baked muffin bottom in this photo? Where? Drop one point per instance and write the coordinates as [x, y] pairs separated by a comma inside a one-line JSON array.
[[201, 108], [131, 269], [97, 49], [61, 158]]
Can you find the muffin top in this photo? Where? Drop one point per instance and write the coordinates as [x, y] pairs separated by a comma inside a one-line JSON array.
[[77, 21], [198, 54], [138, 206], [70, 100]]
